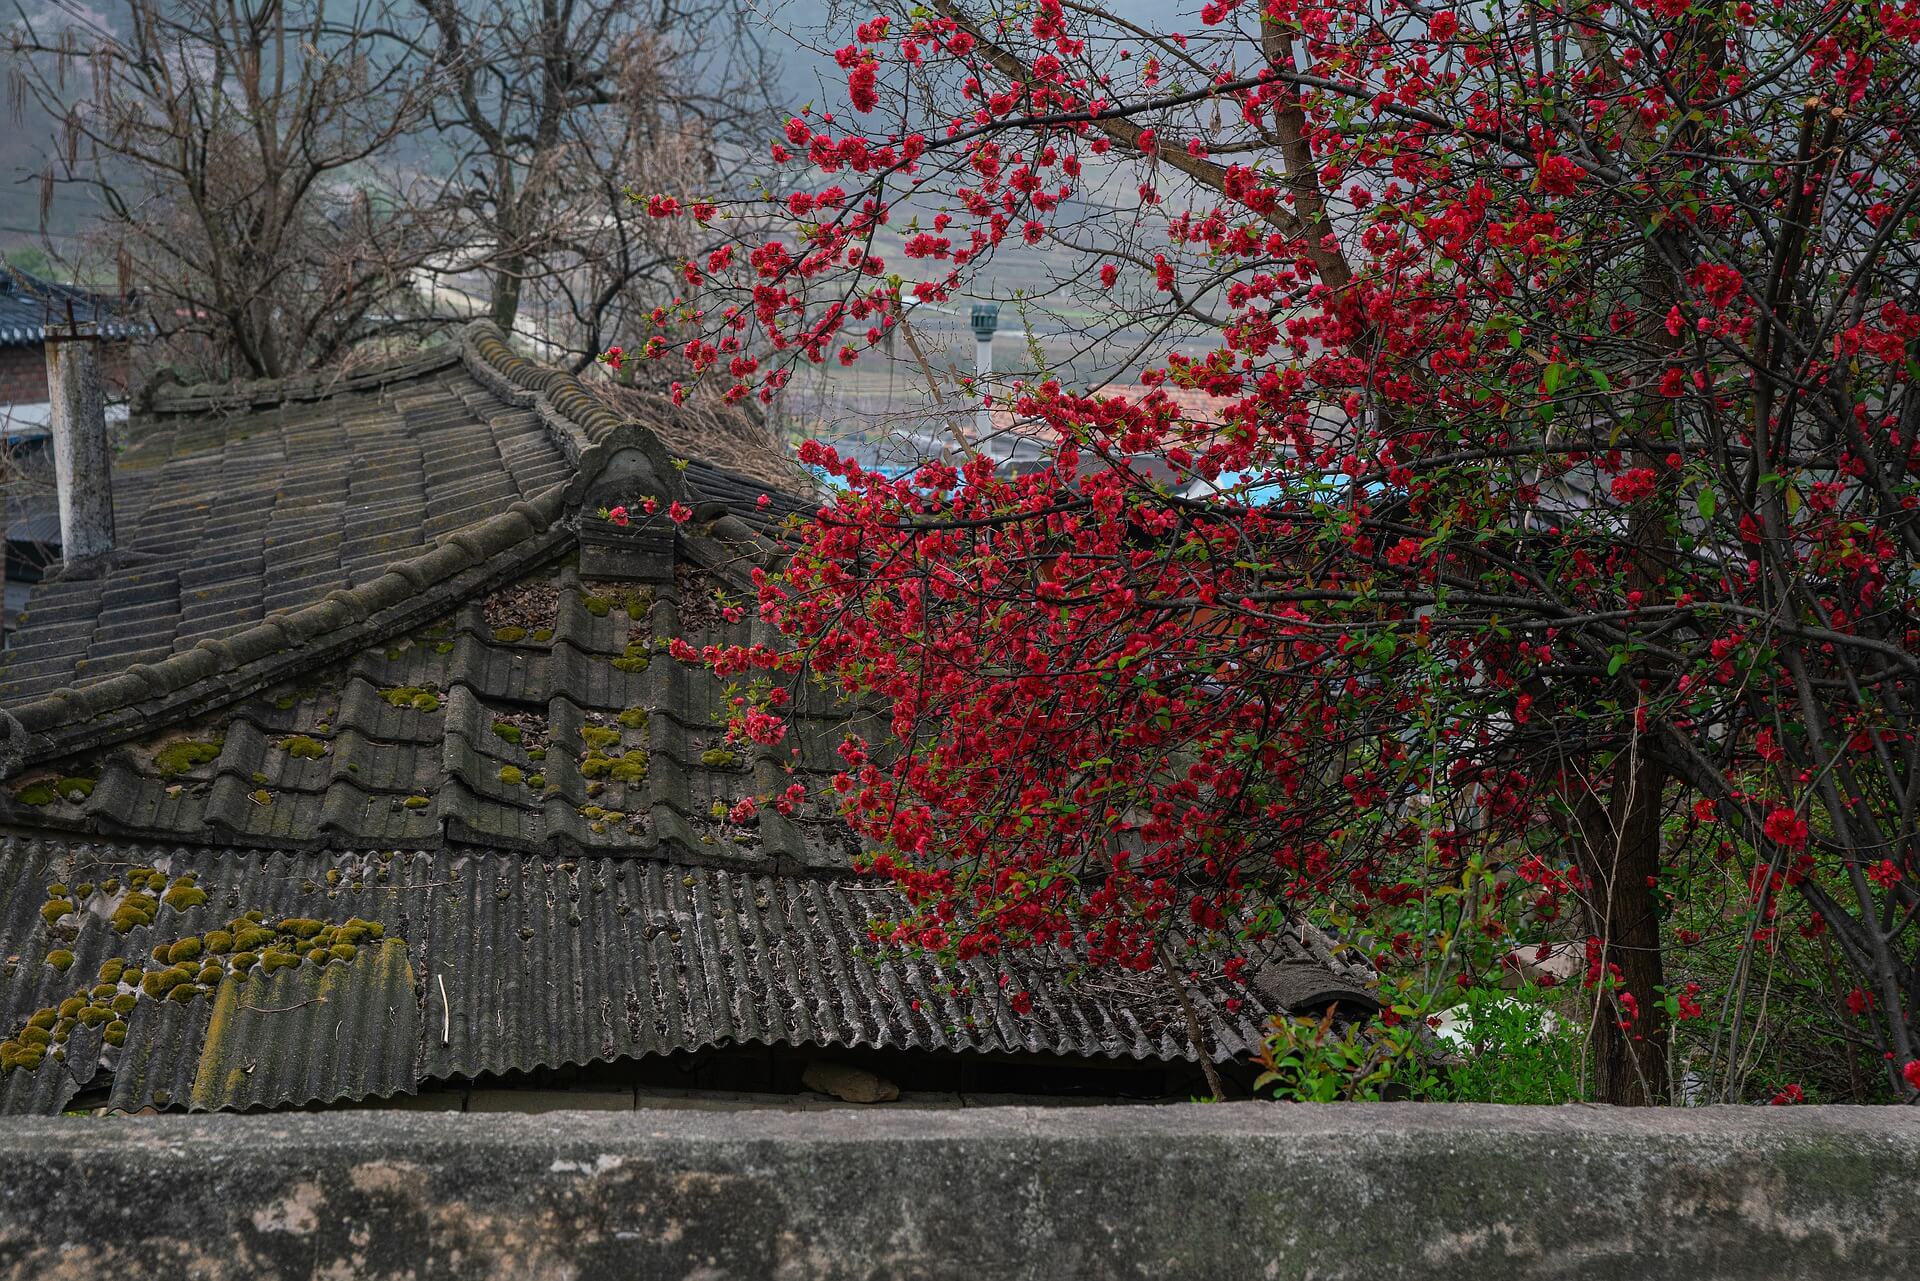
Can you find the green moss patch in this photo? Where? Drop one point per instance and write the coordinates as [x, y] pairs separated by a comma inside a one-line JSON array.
[[637, 658], [415, 697], [135, 910], [301, 747], [184, 969], [189, 754], [45, 791]]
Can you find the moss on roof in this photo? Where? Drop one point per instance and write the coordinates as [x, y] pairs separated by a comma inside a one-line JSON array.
[[477, 693]]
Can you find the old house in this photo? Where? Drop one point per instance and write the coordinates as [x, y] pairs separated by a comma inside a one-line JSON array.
[[357, 771], [29, 306]]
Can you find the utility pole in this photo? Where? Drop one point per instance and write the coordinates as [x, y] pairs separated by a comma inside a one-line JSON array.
[[985, 319]]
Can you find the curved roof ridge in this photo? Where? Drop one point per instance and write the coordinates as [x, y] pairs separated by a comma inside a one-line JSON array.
[[168, 399], [577, 419], [615, 458]]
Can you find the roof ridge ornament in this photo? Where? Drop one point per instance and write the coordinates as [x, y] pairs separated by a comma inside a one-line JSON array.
[[616, 458]]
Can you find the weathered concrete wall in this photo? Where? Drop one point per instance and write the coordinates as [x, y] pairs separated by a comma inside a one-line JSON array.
[[1233, 1191]]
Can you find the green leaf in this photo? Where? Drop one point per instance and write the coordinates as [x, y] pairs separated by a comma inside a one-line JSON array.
[[1705, 504], [1551, 379], [1618, 661]]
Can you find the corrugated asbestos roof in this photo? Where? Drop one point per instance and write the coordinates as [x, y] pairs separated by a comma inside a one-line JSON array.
[[29, 304], [498, 702], [544, 963]]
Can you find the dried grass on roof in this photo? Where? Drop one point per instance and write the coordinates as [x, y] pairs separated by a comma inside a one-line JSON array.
[[734, 437]]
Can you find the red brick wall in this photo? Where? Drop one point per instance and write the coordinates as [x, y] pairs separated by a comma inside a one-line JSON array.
[[23, 373]]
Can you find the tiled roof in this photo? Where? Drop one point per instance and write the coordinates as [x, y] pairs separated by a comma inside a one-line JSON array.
[[494, 697], [29, 304], [541, 716], [33, 518], [229, 514]]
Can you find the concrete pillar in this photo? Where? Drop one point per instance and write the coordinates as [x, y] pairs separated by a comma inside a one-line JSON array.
[[82, 458]]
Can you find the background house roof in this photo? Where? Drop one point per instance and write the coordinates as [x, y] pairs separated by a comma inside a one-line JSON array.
[[29, 304], [482, 748]]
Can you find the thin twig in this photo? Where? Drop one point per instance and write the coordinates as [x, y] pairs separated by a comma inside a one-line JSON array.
[[1193, 1026], [282, 1009]]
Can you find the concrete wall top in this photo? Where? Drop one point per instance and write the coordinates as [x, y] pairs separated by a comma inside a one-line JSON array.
[[1226, 1191]]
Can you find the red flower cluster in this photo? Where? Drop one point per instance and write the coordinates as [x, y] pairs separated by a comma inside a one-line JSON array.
[[1786, 828], [1387, 549], [1632, 486]]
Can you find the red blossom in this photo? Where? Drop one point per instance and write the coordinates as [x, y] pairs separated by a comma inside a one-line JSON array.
[[863, 86], [1632, 486], [1559, 175], [1786, 828]]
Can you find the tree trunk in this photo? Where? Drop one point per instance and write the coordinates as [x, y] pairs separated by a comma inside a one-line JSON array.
[[507, 279], [1619, 851]]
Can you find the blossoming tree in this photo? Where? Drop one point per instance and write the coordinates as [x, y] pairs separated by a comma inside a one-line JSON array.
[[1562, 511]]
